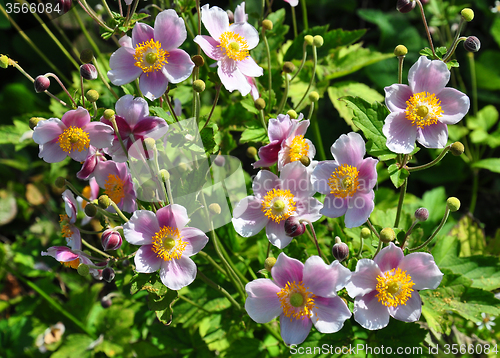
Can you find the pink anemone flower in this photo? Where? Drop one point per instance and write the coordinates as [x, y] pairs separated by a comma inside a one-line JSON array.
[[94, 158], [71, 258], [116, 181], [166, 244], [292, 2], [91, 192], [72, 136], [134, 123], [275, 200], [152, 55], [388, 286], [422, 110], [68, 228], [230, 46], [347, 181], [301, 295]]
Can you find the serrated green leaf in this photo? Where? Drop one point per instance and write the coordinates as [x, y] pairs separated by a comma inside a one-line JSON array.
[[254, 135], [74, 345], [248, 104], [398, 175], [470, 235], [492, 164]]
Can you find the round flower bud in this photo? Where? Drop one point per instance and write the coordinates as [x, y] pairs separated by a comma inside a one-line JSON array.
[[309, 40], [472, 44], [422, 214], [199, 86], [198, 60], [104, 201], [267, 24], [60, 182], [88, 71], [305, 160], [214, 209], [400, 50], [86, 56], [42, 83], [4, 61], [292, 114], [314, 96], [108, 114], [108, 274], [34, 121], [260, 104], [111, 240], [92, 96], [269, 263], [220, 160], [90, 210], [453, 204], [83, 270], [387, 235], [251, 152], [288, 67], [293, 227], [457, 149], [106, 302], [340, 251], [64, 5], [405, 6], [150, 143], [467, 14], [125, 263], [165, 175], [318, 41], [365, 233]]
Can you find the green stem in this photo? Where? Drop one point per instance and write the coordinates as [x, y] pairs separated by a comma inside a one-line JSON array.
[[285, 94], [212, 262], [242, 260], [220, 289], [192, 303], [400, 69], [118, 135], [475, 186], [93, 248], [430, 164], [272, 332], [408, 234], [402, 194], [454, 44], [86, 33], [304, 14], [270, 77], [304, 58], [368, 222], [263, 119], [217, 93], [103, 80], [317, 135], [169, 103], [443, 221], [118, 211], [294, 21], [315, 63], [315, 239], [108, 10], [453, 48], [470, 57], [429, 37], [93, 15], [49, 74]]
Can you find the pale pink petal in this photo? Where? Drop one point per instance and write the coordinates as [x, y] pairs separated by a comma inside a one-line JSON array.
[[248, 218], [364, 279], [141, 227], [296, 179], [294, 331], [279, 128], [232, 78], [101, 135], [239, 13], [422, 269], [396, 97], [48, 130], [174, 216], [400, 133], [210, 47], [151, 127], [309, 209], [276, 234], [249, 67], [215, 20], [433, 136], [367, 175], [60, 253], [263, 304], [153, 84], [248, 32], [334, 207], [176, 274], [141, 33], [268, 155], [370, 313], [263, 182], [389, 257], [410, 312], [299, 128], [254, 92], [359, 209], [170, 30], [329, 314], [131, 109], [287, 269], [179, 66], [322, 172], [454, 104], [292, 2], [79, 156], [428, 76], [324, 280], [70, 205], [349, 149], [146, 260], [125, 41], [123, 68], [51, 152], [79, 117], [196, 239]]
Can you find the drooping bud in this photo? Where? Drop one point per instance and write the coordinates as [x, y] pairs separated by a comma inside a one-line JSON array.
[[387, 235], [472, 44], [104, 201], [365, 233], [60, 182], [421, 214], [293, 227], [88, 71], [90, 210], [457, 149], [108, 274], [4, 61], [260, 104], [405, 6], [309, 40], [305, 160], [220, 160], [314, 96], [108, 114], [340, 250], [269, 263], [42, 83], [214, 209], [199, 86], [288, 67], [34, 121], [318, 41], [251, 152], [467, 14], [400, 50], [106, 302], [83, 270], [111, 240], [292, 114], [86, 56], [453, 203], [198, 60], [267, 24], [92, 96]]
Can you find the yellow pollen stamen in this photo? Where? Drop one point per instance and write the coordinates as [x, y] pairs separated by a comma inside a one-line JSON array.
[[344, 181], [73, 264], [394, 288], [168, 243], [234, 45], [114, 188], [73, 139], [278, 204], [296, 300], [298, 148], [150, 57], [423, 109], [65, 228]]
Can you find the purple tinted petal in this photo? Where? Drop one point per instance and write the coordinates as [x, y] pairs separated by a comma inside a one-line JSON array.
[[370, 313], [60, 253], [174, 216], [400, 133], [349, 149], [209, 46], [125, 41], [389, 257], [79, 156], [146, 260], [176, 274], [396, 97], [101, 135], [454, 104], [286, 270], [169, 29], [276, 234], [279, 128], [428, 76], [70, 205], [263, 304], [324, 280], [46, 131], [51, 152], [232, 78], [142, 33], [141, 228], [359, 209], [322, 172], [334, 207], [264, 181], [296, 179], [151, 127], [422, 269], [249, 67], [329, 314], [215, 20], [294, 331], [248, 218], [239, 13], [309, 209], [364, 279], [248, 32], [254, 92], [433, 136], [196, 239], [268, 155], [367, 175], [153, 84], [131, 110], [79, 117], [410, 312], [179, 66], [292, 2], [123, 68]]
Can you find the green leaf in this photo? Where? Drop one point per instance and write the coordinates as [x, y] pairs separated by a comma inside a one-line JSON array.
[[149, 282], [8, 207], [163, 306], [245, 348], [470, 235], [254, 135], [74, 345], [485, 118], [492, 164], [248, 104], [398, 175], [160, 112], [210, 137]]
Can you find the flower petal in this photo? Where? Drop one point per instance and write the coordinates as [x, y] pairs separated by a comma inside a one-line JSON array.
[[141, 33], [433, 136], [400, 133], [324, 280], [48, 130], [396, 97], [146, 260], [364, 279], [232, 78], [248, 218], [349, 149], [428, 76], [249, 67], [173, 215], [329, 314], [268, 154], [79, 117], [294, 331], [369, 313], [296, 179], [101, 135], [131, 109], [367, 175], [422, 269], [279, 128], [322, 172], [51, 152], [196, 239], [264, 181], [248, 32], [276, 234], [263, 304], [179, 66], [153, 84], [359, 209], [334, 207], [454, 104], [123, 68], [170, 30], [141, 227], [209, 46], [215, 20], [309, 209], [176, 274], [410, 312], [239, 13], [389, 257], [286, 270]]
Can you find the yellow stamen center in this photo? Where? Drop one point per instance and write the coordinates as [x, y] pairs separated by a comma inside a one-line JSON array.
[[168, 243], [150, 57], [114, 188], [344, 181], [73, 264], [296, 300], [298, 148], [65, 228], [278, 204], [234, 45], [423, 109], [394, 288], [73, 139]]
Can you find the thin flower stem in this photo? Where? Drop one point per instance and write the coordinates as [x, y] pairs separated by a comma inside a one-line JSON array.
[[317, 135], [263, 119], [118, 211], [454, 44], [430, 164], [242, 260], [453, 48], [94, 106], [441, 224], [49, 74], [294, 21], [402, 194], [368, 222], [131, 13], [285, 93], [408, 234], [219, 288], [429, 37], [120, 8], [103, 80], [192, 303], [315, 239], [304, 58], [212, 262], [108, 10], [217, 93], [378, 247], [268, 249], [189, 30], [169, 103], [315, 63], [360, 247], [270, 76], [93, 248], [92, 43], [272, 332], [475, 186], [83, 96], [117, 133], [92, 15], [400, 69], [304, 14], [472, 65], [91, 232]]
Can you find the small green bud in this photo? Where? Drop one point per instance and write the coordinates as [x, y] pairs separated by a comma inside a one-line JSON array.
[[400, 50], [251, 152], [4, 61], [292, 114], [108, 114], [34, 121], [214, 209], [309, 40], [457, 149], [260, 104], [453, 203], [267, 24], [165, 175], [90, 210], [60, 182], [387, 235], [305, 160], [83, 270], [92, 96], [86, 56], [183, 167], [269, 263], [150, 143], [198, 60], [365, 233], [318, 41], [104, 201], [314, 96], [288, 67], [199, 86], [467, 14]]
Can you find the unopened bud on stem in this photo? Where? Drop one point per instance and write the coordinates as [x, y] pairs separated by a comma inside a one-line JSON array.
[[387, 235], [293, 227], [405, 6], [422, 214], [400, 50], [457, 149], [453, 204], [269, 263], [42, 83]]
